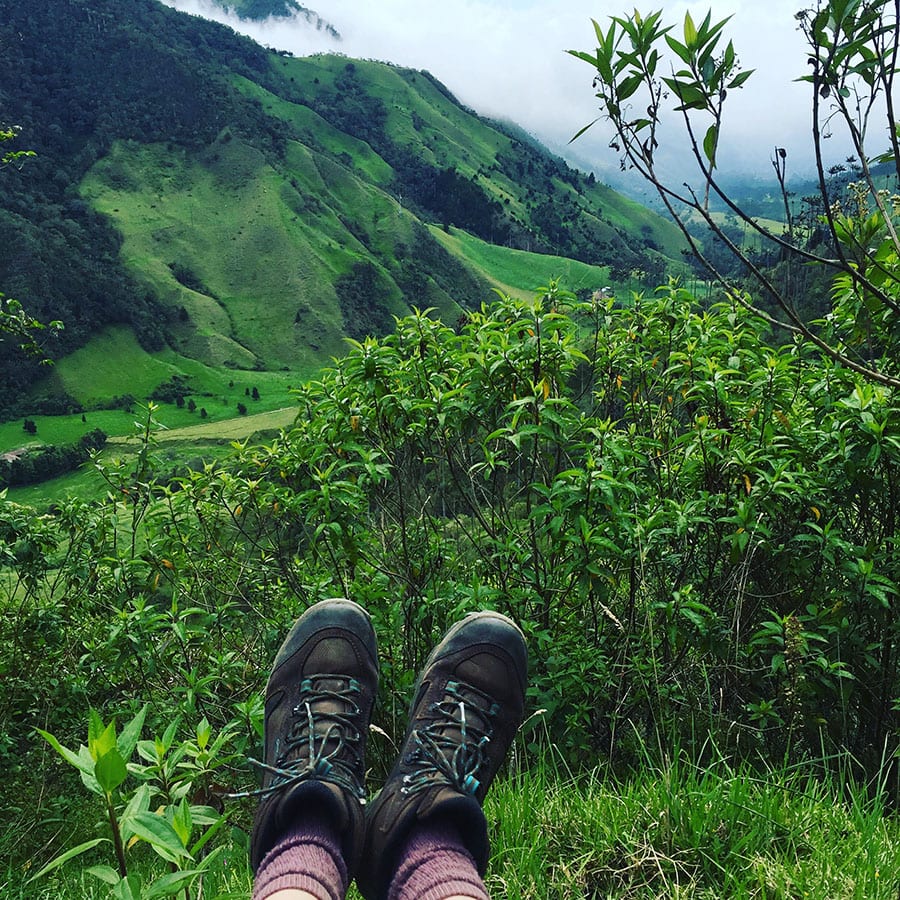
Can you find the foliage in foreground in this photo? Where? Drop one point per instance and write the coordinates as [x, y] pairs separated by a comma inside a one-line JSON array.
[[696, 528], [671, 830]]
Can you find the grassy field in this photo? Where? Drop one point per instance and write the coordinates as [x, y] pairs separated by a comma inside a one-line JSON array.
[[225, 219], [309, 124], [246, 256], [237, 429], [113, 364], [518, 272], [751, 237], [175, 448]]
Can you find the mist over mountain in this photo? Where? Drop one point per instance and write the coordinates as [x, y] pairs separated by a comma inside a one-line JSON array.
[[275, 12]]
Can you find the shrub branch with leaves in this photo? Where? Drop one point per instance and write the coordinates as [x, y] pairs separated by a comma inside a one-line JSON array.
[[644, 70]]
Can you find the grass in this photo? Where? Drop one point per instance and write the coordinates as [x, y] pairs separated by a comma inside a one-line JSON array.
[[310, 124], [235, 224], [113, 364], [518, 272], [751, 237], [682, 831], [175, 448], [261, 248], [676, 831]]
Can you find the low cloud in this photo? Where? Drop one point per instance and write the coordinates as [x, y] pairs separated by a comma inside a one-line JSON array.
[[506, 59]]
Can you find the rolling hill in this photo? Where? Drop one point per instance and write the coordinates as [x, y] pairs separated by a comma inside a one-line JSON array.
[[242, 210]]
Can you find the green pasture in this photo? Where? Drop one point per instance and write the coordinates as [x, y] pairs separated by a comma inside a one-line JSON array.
[[317, 130], [253, 248], [518, 272], [113, 364], [173, 447]]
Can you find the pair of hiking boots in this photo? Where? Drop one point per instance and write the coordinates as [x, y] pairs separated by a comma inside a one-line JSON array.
[[467, 706]]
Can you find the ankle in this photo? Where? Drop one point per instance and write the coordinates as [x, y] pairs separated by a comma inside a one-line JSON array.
[[306, 862], [435, 864]]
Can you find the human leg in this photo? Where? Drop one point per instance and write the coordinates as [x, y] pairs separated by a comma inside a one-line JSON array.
[[435, 865], [426, 835], [309, 828]]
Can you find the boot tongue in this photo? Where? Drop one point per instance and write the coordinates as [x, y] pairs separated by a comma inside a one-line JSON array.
[[467, 707], [437, 799], [338, 684], [321, 795], [326, 705]]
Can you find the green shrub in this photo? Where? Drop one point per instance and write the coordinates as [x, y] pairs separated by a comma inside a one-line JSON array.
[[694, 525]]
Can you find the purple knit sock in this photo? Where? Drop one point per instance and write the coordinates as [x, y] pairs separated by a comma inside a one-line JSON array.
[[307, 858], [435, 865]]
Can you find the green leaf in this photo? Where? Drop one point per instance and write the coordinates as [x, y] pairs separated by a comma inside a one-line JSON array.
[[739, 79], [65, 857], [206, 837], [139, 802], [627, 86], [581, 131], [110, 770], [170, 884], [87, 771], [204, 730], [95, 726], [679, 49], [169, 734], [131, 734], [106, 874], [100, 743], [709, 144], [128, 889], [157, 832], [690, 30], [690, 94], [68, 755], [182, 822]]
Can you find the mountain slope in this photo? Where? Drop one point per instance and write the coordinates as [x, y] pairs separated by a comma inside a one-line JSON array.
[[250, 209]]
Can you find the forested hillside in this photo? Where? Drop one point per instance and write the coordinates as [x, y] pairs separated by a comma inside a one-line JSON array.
[[264, 9], [249, 209]]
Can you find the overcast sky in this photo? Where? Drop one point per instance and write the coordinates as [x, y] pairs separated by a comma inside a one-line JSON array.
[[506, 59]]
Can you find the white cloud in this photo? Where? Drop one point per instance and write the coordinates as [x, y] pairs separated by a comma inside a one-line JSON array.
[[506, 58]]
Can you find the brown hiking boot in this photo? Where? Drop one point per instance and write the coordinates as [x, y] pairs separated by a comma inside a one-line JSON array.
[[318, 703], [467, 706]]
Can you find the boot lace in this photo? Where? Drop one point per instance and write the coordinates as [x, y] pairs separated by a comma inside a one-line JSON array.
[[450, 749], [323, 744]]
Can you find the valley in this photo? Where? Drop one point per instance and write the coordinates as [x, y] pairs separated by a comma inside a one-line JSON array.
[[323, 197]]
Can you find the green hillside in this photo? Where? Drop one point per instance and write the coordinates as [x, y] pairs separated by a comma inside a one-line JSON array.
[[244, 211], [519, 272]]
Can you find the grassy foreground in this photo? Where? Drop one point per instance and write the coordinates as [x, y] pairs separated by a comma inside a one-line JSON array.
[[671, 832]]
